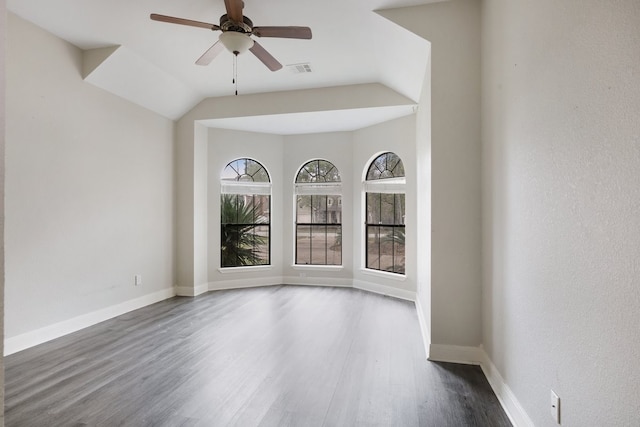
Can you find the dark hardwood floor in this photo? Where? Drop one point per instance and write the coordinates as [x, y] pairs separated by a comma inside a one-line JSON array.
[[272, 356]]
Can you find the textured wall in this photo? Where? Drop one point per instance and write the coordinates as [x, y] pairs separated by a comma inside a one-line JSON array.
[[2, 144], [561, 141], [89, 194], [453, 28]]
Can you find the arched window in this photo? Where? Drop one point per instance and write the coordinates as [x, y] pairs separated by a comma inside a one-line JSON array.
[[245, 214], [385, 214], [318, 214]]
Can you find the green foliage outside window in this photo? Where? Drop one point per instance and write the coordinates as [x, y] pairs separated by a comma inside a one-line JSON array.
[[244, 237]]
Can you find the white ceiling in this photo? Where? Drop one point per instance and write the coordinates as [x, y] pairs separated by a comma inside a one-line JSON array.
[[312, 122], [154, 65]]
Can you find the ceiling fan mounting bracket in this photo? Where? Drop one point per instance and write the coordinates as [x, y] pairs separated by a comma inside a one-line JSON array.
[[226, 24]]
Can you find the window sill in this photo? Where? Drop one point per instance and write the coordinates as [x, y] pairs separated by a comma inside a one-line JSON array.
[[244, 269], [386, 275], [317, 267]]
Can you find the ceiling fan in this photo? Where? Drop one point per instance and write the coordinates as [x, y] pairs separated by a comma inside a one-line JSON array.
[[237, 30]]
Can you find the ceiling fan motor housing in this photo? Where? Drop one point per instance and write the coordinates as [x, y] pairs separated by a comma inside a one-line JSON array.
[[226, 24]]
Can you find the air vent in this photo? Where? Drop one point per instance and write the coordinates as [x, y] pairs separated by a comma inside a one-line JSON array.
[[300, 68]]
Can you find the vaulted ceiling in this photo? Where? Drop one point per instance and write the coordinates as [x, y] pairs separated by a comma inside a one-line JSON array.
[[153, 63]]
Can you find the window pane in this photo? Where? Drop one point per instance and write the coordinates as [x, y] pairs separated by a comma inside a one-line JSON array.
[[319, 209], [400, 209], [245, 170], [242, 241], [228, 209], [373, 173], [386, 165], [381, 162], [304, 176], [373, 208], [398, 169], [236, 245], [328, 171], [334, 209], [303, 210], [262, 208], [398, 250], [260, 175], [243, 245], [303, 244], [393, 164], [387, 208], [318, 171], [261, 245], [386, 249], [246, 210], [318, 245], [373, 244], [334, 245]]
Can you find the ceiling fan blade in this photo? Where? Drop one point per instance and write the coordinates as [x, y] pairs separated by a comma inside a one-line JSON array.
[[181, 21], [234, 9], [210, 54], [283, 32], [264, 56]]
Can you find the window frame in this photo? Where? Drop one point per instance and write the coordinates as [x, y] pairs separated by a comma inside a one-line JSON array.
[[242, 187], [388, 182], [328, 189]]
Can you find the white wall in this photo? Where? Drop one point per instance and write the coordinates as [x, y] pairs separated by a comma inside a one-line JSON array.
[[398, 136], [423, 195], [3, 12], [453, 28], [89, 189], [561, 146], [224, 147]]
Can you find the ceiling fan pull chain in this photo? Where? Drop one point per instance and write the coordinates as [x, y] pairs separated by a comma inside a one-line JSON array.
[[235, 71]]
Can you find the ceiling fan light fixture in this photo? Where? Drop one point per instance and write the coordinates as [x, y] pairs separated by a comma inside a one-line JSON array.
[[236, 42]]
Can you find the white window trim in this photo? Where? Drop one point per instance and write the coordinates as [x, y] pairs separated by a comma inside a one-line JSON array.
[[244, 269], [385, 186], [312, 189], [387, 275], [245, 188], [317, 267]]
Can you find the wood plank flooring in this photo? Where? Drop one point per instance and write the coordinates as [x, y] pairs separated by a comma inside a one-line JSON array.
[[272, 356]]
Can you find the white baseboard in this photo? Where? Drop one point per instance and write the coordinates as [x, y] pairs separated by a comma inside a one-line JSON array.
[[477, 356], [244, 283], [423, 327], [186, 291], [455, 354], [384, 290], [508, 400], [318, 281], [57, 330]]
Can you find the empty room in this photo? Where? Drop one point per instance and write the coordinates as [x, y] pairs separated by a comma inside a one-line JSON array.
[[338, 213]]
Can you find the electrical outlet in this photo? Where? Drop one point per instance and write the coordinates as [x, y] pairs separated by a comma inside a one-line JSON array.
[[138, 279], [555, 406]]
